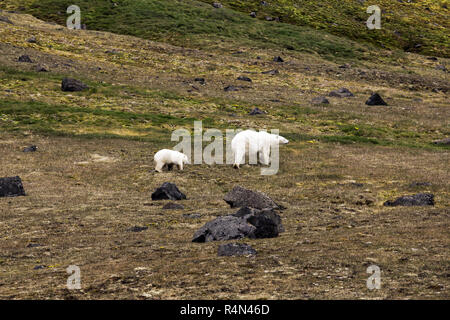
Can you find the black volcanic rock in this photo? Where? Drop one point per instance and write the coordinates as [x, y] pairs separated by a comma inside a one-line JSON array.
[[11, 187], [256, 111], [168, 191], [420, 199], [223, 228], [240, 197], [320, 100], [25, 58], [72, 85], [376, 100], [341, 93]]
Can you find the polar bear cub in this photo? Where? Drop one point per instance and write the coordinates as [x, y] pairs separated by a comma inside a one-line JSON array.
[[254, 143], [169, 158]]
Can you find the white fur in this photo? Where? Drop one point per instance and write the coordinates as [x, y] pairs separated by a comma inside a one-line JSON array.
[[253, 142], [169, 157]]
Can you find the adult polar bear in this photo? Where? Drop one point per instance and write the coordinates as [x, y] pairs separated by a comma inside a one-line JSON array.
[[253, 143]]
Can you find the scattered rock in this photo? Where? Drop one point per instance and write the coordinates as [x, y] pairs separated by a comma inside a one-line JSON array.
[[25, 58], [222, 229], [173, 206], [420, 199], [278, 59], [445, 141], [240, 197], [253, 14], [33, 245], [30, 149], [256, 111], [202, 81], [419, 184], [192, 216], [441, 67], [432, 58], [242, 78], [168, 191], [345, 66], [271, 72], [73, 85], [235, 249], [341, 93], [267, 222], [5, 19], [137, 229], [11, 187], [41, 68], [32, 40], [376, 100], [231, 88], [217, 5], [320, 100], [39, 267]]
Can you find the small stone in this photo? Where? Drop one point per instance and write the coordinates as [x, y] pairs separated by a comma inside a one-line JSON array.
[[341, 93], [445, 141], [256, 111], [217, 5], [231, 88], [253, 14], [137, 229], [271, 72], [30, 149], [243, 78], [202, 81], [278, 59], [32, 40], [25, 58], [320, 100], [11, 187]]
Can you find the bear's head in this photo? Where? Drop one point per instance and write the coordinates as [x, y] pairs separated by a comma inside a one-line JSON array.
[[185, 159], [282, 140]]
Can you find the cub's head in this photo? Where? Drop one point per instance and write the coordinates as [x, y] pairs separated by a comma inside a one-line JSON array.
[[185, 159]]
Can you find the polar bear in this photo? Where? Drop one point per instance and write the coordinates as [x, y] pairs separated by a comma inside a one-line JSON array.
[[169, 158], [254, 143]]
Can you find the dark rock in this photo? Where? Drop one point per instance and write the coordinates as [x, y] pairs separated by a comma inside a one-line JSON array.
[[33, 245], [235, 249], [264, 3], [30, 149], [320, 100], [441, 67], [231, 88], [223, 228], [202, 81], [278, 59], [432, 58], [376, 100], [445, 141], [39, 267], [253, 14], [256, 111], [11, 187], [137, 229], [242, 78], [419, 184], [5, 19], [173, 206], [192, 216], [168, 191], [271, 72], [41, 68], [420, 199], [73, 85], [25, 58], [217, 5], [345, 66], [32, 40], [267, 222], [341, 93], [240, 197], [247, 222]]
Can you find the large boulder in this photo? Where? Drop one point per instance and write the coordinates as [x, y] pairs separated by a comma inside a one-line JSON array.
[[240, 197], [246, 223], [72, 85], [235, 249], [11, 187], [168, 191], [420, 199], [223, 228]]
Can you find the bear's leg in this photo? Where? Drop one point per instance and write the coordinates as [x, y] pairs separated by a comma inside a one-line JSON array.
[[239, 158], [180, 166]]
